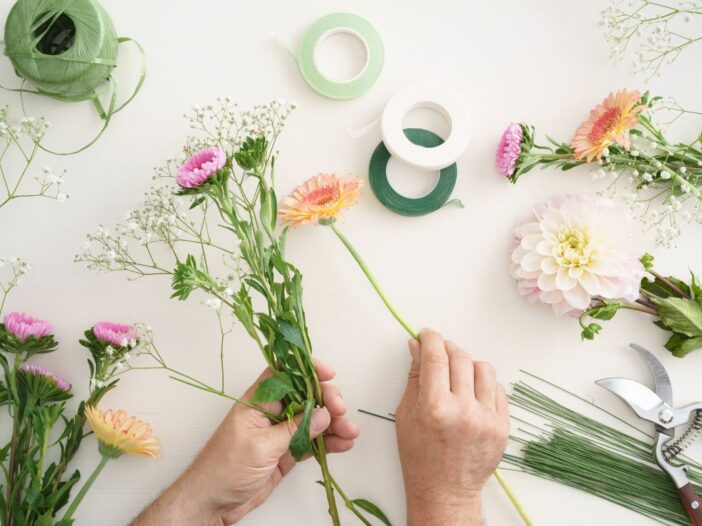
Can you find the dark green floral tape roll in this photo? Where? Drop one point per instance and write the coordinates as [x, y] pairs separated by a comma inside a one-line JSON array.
[[400, 204], [66, 48]]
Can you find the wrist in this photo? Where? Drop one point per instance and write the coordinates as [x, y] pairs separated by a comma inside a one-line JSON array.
[[182, 504], [432, 509]]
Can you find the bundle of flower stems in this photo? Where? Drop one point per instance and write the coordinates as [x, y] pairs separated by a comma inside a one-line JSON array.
[[584, 453]]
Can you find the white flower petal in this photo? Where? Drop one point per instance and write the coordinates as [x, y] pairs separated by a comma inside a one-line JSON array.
[[577, 297], [547, 282], [564, 281], [549, 266], [531, 262]]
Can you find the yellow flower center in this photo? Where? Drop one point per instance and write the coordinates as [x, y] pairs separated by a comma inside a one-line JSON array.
[[573, 249]]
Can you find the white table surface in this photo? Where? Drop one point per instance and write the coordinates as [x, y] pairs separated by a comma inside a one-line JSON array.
[[543, 62]]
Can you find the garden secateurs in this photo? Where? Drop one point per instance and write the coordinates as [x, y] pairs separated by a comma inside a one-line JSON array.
[[657, 407]]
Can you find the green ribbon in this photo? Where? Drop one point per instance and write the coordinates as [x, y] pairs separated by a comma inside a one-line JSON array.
[[67, 49], [400, 204]]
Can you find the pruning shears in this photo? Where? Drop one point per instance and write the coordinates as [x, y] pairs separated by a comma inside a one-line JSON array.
[[657, 407]]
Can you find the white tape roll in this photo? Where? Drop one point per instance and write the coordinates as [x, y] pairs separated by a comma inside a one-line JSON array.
[[439, 99]]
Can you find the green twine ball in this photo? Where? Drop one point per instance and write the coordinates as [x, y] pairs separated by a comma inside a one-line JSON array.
[[66, 48]]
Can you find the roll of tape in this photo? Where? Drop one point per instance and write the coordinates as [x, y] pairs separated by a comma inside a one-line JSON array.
[[398, 203], [341, 23], [426, 96]]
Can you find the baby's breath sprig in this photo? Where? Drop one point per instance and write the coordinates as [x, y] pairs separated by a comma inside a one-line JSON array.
[[12, 271], [658, 31], [19, 145]]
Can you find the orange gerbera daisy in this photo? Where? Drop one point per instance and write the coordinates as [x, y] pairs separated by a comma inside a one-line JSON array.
[[608, 124], [320, 199], [119, 433]]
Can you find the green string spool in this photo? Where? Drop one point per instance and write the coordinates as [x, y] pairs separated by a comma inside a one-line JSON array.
[[67, 49], [400, 204]]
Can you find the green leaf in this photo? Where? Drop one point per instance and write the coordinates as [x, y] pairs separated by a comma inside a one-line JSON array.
[[187, 277], [197, 202], [647, 261], [252, 154], [605, 312], [273, 389], [291, 333], [681, 315], [681, 345], [292, 409], [374, 510], [589, 332], [301, 444]]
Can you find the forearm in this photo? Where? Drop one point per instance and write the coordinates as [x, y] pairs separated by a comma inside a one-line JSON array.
[[178, 506], [434, 512]]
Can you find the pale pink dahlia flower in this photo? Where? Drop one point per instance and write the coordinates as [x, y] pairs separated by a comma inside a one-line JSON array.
[[22, 326], [575, 248], [62, 384], [200, 167], [116, 333], [509, 149]]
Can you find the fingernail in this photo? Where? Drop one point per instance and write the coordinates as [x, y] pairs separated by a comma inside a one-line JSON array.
[[319, 422]]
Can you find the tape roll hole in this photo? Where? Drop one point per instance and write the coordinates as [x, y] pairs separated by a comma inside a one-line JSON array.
[[341, 55], [410, 181], [430, 116], [56, 35]]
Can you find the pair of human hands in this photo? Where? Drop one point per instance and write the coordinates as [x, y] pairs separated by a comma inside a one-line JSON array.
[[452, 427]]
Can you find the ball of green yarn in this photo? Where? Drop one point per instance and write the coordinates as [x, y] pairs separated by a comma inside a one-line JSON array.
[[66, 48]]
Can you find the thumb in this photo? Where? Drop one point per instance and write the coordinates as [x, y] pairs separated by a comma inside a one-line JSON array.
[[279, 435]]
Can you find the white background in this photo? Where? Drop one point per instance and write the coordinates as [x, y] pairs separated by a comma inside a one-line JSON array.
[[543, 62]]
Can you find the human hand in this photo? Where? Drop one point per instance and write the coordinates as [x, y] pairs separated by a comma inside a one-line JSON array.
[[452, 429], [245, 459]]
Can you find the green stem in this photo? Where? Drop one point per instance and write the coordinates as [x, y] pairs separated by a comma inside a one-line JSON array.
[[510, 494], [513, 498], [327, 480], [373, 281], [84, 490]]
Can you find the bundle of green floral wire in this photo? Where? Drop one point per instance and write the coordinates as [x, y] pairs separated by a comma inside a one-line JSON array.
[[582, 452]]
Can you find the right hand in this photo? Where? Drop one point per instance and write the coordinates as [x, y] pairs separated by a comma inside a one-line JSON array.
[[452, 429]]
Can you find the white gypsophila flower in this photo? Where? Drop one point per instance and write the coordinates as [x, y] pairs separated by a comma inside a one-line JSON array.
[[213, 303], [574, 248]]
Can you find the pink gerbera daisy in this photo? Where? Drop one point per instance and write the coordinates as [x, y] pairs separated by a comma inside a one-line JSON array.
[[320, 199], [22, 326], [200, 167], [509, 149], [608, 124], [116, 334]]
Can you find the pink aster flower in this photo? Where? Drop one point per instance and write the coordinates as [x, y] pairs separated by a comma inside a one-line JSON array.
[[35, 370], [22, 326], [200, 167], [509, 149], [575, 248], [116, 334]]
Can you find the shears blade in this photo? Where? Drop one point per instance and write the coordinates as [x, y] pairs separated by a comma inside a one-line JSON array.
[[638, 397], [663, 387]]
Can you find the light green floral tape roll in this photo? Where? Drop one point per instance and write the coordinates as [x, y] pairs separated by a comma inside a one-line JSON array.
[[341, 23]]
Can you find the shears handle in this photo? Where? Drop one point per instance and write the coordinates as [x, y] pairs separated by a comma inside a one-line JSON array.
[[692, 503]]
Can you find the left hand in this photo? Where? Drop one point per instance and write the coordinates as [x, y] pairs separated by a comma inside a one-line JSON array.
[[245, 459]]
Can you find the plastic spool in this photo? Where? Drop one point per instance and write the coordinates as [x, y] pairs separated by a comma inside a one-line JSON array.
[[406, 206], [355, 26], [438, 99]]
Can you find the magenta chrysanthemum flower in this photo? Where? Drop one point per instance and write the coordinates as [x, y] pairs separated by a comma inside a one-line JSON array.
[[116, 333], [509, 149], [22, 326], [200, 167], [35, 370]]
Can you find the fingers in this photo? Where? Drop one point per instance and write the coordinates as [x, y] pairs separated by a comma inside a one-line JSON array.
[[461, 371], [333, 400], [324, 372], [279, 435], [485, 383], [434, 365]]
